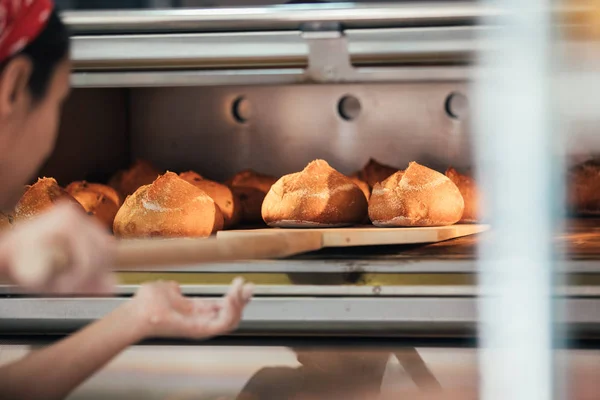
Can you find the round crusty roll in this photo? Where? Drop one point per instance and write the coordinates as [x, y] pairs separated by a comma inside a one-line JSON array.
[[374, 172], [128, 181], [319, 196], [584, 189], [221, 194], [169, 207], [40, 197], [470, 193], [99, 200], [418, 196], [250, 188]]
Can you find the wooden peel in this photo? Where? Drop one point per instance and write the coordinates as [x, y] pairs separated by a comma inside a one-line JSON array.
[[245, 245], [369, 235], [263, 245]]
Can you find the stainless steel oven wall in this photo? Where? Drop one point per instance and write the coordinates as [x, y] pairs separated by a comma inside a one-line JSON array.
[[194, 127], [93, 138], [287, 126]]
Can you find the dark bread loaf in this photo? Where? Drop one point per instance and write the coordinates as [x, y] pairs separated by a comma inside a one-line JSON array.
[[141, 173], [374, 172], [228, 203], [470, 192], [583, 196], [250, 188], [99, 200]]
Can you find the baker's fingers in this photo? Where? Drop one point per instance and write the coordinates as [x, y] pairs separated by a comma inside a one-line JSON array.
[[178, 301], [204, 326], [236, 292], [207, 307], [228, 317], [247, 292]]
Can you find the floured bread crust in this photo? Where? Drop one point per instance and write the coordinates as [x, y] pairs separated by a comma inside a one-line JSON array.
[[101, 201], [470, 192], [169, 207], [128, 181], [250, 188], [584, 189], [418, 196], [40, 197], [317, 196], [374, 172], [221, 194]]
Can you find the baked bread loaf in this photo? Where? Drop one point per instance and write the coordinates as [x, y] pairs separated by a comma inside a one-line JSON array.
[[470, 193], [5, 222], [362, 185], [40, 197], [374, 172], [584, 189], [221, 194], [319, 196], [418, 196], [250, 188], [101, 201], [169, 207], [128, 181]]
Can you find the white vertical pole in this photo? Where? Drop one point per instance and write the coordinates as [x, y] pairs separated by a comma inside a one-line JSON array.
[[515, 150]]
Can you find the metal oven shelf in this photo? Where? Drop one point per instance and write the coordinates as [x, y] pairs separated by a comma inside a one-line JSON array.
[[403, 316]]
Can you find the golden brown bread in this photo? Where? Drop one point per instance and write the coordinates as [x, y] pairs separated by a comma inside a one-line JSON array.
[[128, 181], [418, 196], [5, 222], [362, 185], [374, 172], [169, 207], [584, 189], [317, 196], [101, 201], [470, 193], [40, 197], [221, 194], [250, 188]]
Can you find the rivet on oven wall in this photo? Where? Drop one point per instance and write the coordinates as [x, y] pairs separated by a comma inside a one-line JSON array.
[[241, 110], [349, 108], [457, 105]]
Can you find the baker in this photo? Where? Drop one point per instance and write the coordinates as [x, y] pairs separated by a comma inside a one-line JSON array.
[[34, 83]]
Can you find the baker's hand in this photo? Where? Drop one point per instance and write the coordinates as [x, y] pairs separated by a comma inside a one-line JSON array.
[[162, 311], [61, 251]]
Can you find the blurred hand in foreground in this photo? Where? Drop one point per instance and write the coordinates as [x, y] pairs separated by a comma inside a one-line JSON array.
[[61, 251]]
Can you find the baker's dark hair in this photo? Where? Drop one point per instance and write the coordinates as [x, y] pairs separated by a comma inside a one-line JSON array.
[[46, 52]]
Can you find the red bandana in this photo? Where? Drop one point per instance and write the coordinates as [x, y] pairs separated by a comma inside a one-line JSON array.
[[21, 21]]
